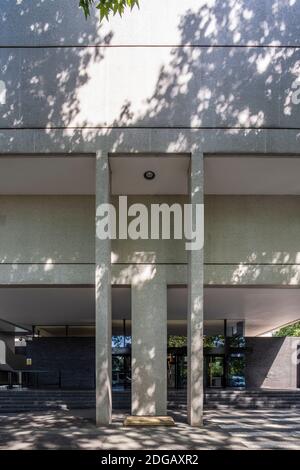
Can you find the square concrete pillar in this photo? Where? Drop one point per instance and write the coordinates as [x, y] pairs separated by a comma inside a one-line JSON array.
[[195, 306], [103, 301], [149, 342]]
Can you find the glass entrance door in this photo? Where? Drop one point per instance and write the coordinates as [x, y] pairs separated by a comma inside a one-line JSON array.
[[177, 368], [214, 371], [121, 371]]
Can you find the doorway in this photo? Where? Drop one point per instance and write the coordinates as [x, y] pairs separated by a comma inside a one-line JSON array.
[[214, 371]]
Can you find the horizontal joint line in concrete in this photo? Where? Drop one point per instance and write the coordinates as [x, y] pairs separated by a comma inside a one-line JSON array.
[[251, 286], [240, 263], [145, 263], [46, 264], [150, 263], [134, 46], [49, 155], [88, 264], [225, 128], [42, 285]]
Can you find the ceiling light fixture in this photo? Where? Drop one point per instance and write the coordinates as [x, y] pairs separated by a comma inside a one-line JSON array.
[[149, 175]]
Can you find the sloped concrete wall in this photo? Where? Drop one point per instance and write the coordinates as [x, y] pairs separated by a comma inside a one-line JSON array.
[[272, 362]]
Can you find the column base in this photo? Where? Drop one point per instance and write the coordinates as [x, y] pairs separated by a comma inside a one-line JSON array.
[[149, 421]]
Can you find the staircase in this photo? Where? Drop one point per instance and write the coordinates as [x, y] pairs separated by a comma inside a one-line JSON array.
[[13, 401], [252, 399], [20, 400], [240, 399]]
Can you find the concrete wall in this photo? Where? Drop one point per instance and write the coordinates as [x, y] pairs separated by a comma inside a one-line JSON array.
[[257, 229], [150, 251], [60, 229], [253, 239], [272, 363], [2, 352], [165, 86], [8, 340], [58, 22], [41, 229], [260, 232], [8, 354], [55, 94]]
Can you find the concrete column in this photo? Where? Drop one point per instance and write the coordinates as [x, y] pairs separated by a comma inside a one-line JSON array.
[[149, 342], [195, 307], [103, 301]]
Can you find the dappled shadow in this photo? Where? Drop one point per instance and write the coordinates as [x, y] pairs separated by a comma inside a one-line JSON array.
[[244, 273], [217, 87], [42, 84], [149, 314], [83, 98], [186, 87], [245, 242], [233, 429]]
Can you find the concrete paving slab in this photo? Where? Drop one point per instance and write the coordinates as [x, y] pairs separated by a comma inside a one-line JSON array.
[[266, 429]]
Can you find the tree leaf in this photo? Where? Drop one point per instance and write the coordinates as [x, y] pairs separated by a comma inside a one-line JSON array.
[[107, 7]]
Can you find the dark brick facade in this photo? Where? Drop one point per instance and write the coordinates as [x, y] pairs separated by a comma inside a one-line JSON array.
[[66, 362], [69, 363]]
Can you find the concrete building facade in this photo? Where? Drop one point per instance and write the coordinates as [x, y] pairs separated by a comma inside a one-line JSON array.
[[210, 105]]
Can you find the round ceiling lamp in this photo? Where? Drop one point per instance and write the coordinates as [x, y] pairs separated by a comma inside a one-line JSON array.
[[149, 175]]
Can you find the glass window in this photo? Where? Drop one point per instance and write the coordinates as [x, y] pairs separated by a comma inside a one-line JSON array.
[[236, 370], [235, 333], [119, 341], [213, 341], [213, 333], [235, 328]]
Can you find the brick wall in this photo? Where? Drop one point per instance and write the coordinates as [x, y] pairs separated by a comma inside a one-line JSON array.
[[68, 360], [269, 362]]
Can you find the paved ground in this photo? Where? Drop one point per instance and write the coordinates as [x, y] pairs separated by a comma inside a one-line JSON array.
[[229, 429]]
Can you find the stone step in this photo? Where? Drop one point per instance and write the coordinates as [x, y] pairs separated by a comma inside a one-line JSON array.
[[42, 400], [247, 398], [291, 406], [32, 408], [245, 393], [209, 396], [125, 402]]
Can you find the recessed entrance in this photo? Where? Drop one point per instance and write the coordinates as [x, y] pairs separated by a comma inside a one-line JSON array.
[[214, 371], [66, 315]]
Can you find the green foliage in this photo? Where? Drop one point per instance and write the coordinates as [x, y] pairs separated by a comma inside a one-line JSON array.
[[216, 368], [213, 341], [176, 341], [289, 330], [237, 366], [107, 7]]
